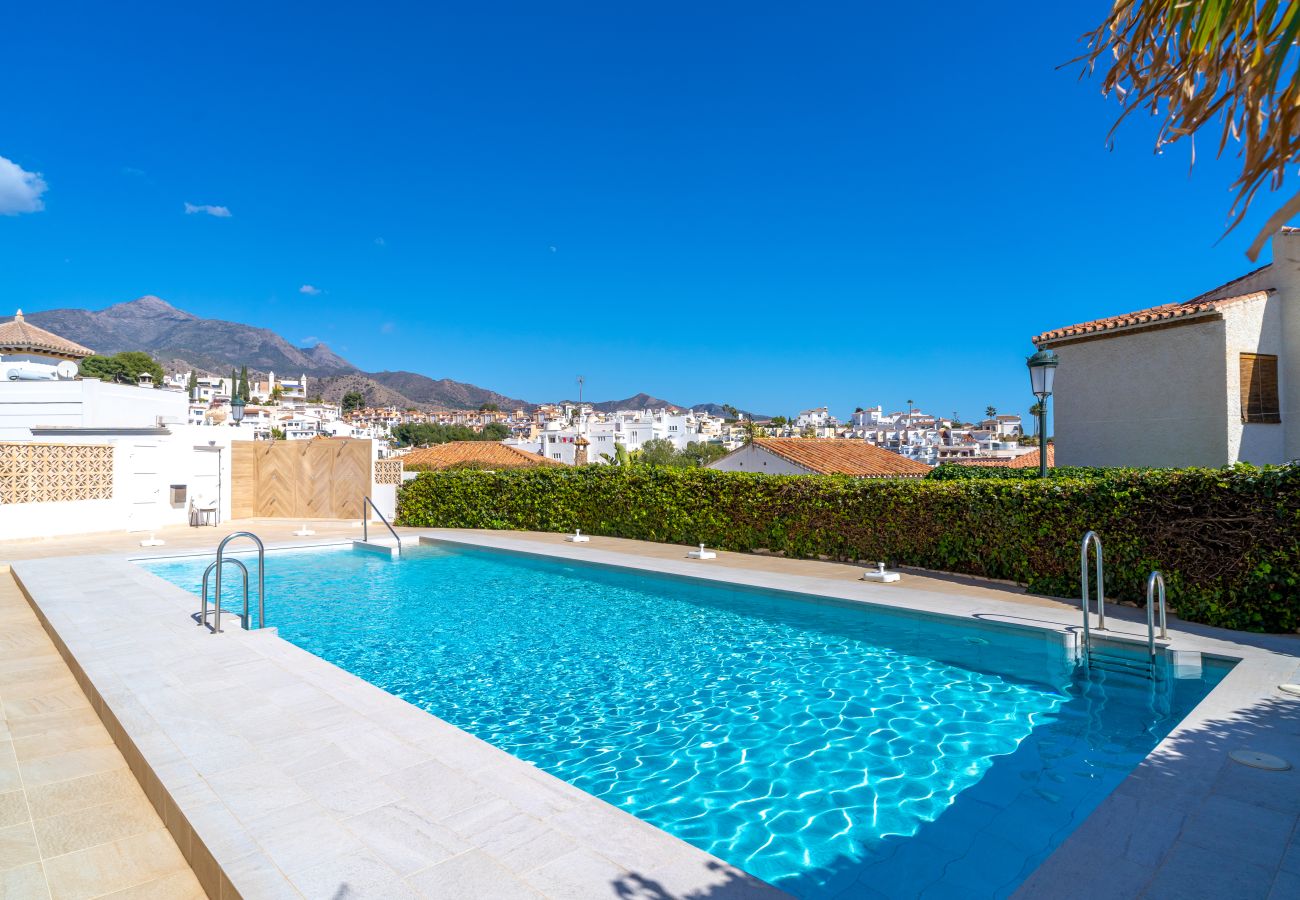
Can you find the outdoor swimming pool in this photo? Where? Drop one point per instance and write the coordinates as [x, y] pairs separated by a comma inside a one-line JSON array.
[[829, 749]]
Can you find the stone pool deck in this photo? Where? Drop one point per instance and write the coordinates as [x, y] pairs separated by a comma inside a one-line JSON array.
[[280, 775]]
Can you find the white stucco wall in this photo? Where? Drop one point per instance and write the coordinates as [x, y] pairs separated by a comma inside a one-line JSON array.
[[85, 404], [752, 458], [1286, 281], [144, 469], [1148, 398], [1252, 327]]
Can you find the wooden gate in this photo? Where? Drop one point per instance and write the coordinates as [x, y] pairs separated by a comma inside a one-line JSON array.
[[325, 478]]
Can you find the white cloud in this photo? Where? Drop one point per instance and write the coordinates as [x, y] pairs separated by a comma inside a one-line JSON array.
[[380, 242], [20, 190], [309, 289], [219, 211]]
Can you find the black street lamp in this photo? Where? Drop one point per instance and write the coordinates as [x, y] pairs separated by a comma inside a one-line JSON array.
[[1042, 373], [237, 410]]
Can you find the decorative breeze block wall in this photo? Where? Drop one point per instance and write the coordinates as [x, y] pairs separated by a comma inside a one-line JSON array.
[[55, 473], [388, 471]]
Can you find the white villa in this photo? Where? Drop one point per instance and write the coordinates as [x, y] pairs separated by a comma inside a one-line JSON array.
[[1206, 382]]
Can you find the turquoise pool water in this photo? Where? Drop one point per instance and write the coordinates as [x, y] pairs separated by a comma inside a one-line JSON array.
[[831, 750]]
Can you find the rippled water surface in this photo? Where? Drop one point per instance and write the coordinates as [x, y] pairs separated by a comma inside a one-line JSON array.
[[832, 751]]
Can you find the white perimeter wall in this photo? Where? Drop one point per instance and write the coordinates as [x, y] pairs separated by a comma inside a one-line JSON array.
[[87, 404], [144, 468]]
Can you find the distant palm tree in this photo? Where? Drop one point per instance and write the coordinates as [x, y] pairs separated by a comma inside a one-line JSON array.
[[1037, 410], [909, 407], [990, 411]]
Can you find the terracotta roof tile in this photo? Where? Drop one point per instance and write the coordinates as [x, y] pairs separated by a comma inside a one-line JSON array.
[[1210, 301], [489, 454], [836, 456], [20, 336], [1024, 461]]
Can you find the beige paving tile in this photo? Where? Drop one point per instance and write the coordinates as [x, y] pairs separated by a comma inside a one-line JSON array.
[[24, 883], [176, 886], [13, 809], [53, 723], [18, 846], [73, 764], [10, 775], [61, 700], [82, 793], [103, 824], [113, 867], [63, 740]]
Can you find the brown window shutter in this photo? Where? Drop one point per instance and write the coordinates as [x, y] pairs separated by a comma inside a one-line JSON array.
[[1259, 390]]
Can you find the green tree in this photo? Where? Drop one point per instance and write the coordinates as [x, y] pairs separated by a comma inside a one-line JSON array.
[[234, 384], [701, 453], [193, 384], [779, 421], [658, 452], [276, 393], [105, 368], [277, 434], [495, 431], [990, 411], [353, 400], [243, 383], [124, 368], [489, 407], [1193, 62]]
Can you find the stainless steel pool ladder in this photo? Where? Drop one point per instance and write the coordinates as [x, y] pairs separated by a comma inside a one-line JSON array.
[[1092, 656], [365, 524], [218, 566]]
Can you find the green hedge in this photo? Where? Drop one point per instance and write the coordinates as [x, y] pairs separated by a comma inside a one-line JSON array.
[[956, 472], [1225, 539]]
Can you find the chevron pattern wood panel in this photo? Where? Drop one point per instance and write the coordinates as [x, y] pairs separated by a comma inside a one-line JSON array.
[[318, 479], [243, 479], [352, 478]]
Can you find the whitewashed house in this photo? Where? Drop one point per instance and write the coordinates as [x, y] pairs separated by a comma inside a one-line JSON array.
[[1207, 382]]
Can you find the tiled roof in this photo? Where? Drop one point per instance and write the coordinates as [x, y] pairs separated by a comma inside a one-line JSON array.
[[1208, 302], [488, 454], [20, 336], [1024, 461], [836, 456]]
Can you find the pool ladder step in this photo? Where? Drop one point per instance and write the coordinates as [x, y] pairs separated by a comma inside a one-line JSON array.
[[1109, 662], [1155, 598]]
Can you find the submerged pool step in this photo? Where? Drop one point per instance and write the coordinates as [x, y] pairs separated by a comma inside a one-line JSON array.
[[1113, 663]]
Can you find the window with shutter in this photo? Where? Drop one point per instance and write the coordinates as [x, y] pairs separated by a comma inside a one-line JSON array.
[[1259, 395]]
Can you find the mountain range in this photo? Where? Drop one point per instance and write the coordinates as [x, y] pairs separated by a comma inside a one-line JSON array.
[[182, 341]]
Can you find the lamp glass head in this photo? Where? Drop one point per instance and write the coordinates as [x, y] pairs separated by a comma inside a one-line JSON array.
[[1042, 372]]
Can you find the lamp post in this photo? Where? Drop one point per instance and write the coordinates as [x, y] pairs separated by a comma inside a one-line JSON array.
[[237, 409], [1042, 373]]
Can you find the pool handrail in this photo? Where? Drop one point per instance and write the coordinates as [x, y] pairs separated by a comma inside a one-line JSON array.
[[203, 612], [1092, 538], [365, 523], [1155, 589], [261, 581]]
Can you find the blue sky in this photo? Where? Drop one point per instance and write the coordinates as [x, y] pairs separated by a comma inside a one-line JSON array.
[[772, 205]]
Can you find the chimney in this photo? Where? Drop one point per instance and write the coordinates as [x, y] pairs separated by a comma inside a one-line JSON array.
[[580, 451]]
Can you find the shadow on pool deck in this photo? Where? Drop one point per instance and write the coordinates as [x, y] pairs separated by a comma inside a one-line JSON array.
[[1162, 834]]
